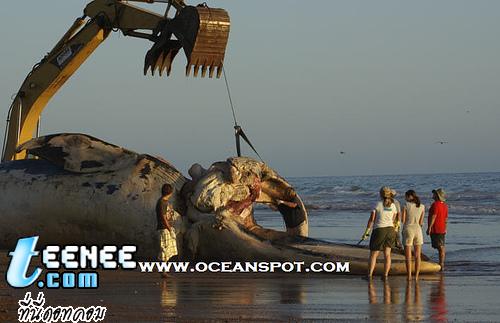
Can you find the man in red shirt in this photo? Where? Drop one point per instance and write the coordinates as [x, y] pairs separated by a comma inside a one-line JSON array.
[[438, 219]]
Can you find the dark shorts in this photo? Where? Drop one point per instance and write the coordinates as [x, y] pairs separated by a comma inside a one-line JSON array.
[[383, 238], [437, 240]]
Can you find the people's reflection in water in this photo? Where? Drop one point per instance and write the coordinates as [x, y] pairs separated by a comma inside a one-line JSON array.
[[384, 309], [390, 292], [168, 298], [437, 301], [387, 292], [372, 292], [168, 293], [414, 310]]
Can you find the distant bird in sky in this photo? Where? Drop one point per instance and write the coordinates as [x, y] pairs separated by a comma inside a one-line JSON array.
[[342, 152], [441, 142]]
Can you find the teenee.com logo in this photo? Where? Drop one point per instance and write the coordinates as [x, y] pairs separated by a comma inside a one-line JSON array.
[[78, 264]]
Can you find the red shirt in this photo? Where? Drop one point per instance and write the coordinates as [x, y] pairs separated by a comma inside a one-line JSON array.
[[440, 209]]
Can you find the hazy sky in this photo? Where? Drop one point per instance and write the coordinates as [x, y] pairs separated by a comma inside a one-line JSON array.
[[380, 80]]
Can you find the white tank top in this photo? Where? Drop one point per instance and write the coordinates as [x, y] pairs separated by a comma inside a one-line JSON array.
[[384, 215]]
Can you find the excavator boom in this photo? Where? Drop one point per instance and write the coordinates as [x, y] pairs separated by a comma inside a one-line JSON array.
[[202, 33]]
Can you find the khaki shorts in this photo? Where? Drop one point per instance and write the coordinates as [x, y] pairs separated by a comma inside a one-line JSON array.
[[412, 235]]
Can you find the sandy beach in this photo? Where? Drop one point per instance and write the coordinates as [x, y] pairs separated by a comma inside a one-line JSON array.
[[137, 297]]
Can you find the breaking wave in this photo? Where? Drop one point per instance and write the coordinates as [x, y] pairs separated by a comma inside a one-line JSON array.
[[468, 194]]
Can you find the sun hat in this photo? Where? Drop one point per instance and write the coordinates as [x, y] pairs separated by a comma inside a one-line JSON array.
[[440, 193], [385, 192], [393, 192]]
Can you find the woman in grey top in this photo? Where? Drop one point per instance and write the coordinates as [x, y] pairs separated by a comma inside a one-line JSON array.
[[413, 218]]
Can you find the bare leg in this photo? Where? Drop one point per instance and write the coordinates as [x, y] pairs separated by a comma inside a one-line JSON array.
[[387, 264], [418, 252], [372, 261], [408, 261], [442, 252]]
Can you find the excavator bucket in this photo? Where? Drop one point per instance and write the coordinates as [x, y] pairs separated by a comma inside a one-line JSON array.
[[201, 31]]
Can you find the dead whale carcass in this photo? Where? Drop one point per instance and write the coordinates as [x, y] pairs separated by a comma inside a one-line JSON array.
[[86, 191]]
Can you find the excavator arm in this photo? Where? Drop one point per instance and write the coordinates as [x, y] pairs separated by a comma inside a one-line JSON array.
[[202, 33]]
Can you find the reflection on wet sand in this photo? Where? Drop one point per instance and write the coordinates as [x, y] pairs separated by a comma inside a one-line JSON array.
[[136, 297], [437, 301], [383, 311], [296, 298], [413, 309]]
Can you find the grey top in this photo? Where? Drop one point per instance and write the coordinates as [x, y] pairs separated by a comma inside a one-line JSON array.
[[413, 213]]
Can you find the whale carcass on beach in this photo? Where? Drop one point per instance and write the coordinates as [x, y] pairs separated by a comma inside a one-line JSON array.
[[82, 190]]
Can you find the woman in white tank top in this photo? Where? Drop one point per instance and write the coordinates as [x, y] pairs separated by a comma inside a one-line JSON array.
[[384, 234], [413, 218]]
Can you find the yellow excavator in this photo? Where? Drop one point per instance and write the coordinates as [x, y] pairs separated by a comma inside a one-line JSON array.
[[202, 32]]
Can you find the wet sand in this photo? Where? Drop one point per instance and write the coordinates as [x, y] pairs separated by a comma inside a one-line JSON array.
[[140, 297]]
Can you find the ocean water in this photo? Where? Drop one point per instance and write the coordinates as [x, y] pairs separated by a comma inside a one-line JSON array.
[[339, 208]]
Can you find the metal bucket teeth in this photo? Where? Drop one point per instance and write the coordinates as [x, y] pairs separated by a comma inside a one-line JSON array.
[[167, 63], [219, 71], [201, 31], [160, 57], [210, 45], [157, 64], [196, 69], [161, 66], [211, 71]]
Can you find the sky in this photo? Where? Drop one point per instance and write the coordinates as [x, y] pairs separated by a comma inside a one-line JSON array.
[[382, 81]]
